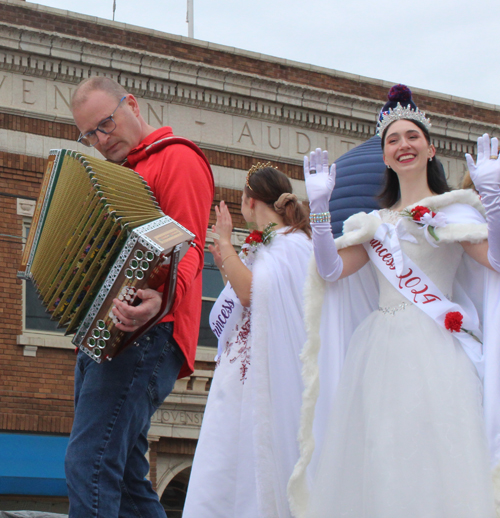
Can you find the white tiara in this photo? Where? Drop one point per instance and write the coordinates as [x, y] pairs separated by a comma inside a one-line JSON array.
[[399, 113]]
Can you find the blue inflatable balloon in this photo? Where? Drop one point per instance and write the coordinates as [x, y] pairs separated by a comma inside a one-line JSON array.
[[360, 175]]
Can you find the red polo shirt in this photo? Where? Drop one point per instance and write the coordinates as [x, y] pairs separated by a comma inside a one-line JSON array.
[[182, 183]]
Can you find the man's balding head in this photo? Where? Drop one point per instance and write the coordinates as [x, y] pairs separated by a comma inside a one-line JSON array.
[[97, 83]]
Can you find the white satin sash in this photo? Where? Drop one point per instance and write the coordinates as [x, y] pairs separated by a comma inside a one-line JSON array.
[[385, 252], [225, 314]]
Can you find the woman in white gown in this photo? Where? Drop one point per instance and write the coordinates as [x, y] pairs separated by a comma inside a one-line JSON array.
[[405, 433], [248, 442]]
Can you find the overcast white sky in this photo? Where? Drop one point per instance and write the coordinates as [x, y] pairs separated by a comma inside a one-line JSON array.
[[446, 46]]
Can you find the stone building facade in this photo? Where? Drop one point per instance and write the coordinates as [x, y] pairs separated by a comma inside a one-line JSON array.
[[239, 107]]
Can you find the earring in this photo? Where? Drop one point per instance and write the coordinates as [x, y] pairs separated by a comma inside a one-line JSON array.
[[388, 167]]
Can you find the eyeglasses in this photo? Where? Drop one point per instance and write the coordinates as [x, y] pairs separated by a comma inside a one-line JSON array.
[[106, 126]]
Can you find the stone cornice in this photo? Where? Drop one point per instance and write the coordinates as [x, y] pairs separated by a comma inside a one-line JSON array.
[[141, 38], [158, 77], [69, 59]]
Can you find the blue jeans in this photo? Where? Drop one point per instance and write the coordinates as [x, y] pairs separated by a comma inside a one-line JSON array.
[[114, 401]]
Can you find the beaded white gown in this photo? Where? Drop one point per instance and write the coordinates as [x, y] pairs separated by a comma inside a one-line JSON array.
[[406, 436]]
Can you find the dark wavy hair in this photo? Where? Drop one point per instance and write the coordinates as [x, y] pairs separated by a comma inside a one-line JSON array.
[[436, 178], [267, 185]]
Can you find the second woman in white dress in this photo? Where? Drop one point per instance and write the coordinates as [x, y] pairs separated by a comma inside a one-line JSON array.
[[248, 441]]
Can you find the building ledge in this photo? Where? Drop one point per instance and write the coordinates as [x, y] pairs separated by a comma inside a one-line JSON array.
[[31, 341]]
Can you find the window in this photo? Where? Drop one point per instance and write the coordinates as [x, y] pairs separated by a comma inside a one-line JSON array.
[[36, 317], [38, 328], [212, 286]]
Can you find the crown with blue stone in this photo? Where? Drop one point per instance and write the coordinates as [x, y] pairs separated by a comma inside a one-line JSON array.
[[393, 110], [399, 113]]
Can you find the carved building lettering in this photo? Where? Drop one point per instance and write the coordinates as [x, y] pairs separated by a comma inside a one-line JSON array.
[[154, 113], [27, 91], [277, 139], [59, 95], [245, 132], [303, 143], [179, 417]]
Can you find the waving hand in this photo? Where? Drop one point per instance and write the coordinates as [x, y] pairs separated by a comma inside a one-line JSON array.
[[320, 180], [486, 172]]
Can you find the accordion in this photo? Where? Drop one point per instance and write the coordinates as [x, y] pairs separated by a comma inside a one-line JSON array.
[[99, 234]]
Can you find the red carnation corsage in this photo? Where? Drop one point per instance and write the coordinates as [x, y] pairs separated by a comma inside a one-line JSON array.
[[453, 322], [257, 238], [254, 237], [429, 220], [418, 212]]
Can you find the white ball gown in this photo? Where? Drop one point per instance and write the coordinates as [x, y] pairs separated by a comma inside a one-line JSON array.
[[405, 436]]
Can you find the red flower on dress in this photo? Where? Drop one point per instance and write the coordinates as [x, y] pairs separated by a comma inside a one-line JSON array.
[[430, 223], [419, 211], [453, 321], [254, 237]]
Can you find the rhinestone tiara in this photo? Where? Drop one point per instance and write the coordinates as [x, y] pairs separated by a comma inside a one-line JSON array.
[[399, 113]]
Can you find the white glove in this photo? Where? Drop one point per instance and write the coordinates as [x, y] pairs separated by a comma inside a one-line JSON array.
[[319, 186], [486, 173], [486, 177], [328, 261]]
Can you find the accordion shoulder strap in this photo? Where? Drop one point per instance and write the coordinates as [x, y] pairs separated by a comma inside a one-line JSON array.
[[157, 146]]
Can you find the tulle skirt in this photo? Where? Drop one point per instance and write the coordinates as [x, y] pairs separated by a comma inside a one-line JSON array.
[[222, 482], [406, 437]]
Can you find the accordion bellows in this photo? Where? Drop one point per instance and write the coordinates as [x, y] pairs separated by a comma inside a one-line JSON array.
[[98, 233]]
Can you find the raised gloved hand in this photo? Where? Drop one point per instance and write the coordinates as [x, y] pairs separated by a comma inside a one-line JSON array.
[[319, 186], [320, 180], [486, 177], [486, 172]]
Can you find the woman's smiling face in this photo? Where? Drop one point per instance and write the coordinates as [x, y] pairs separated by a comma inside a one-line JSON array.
[[405, 147]]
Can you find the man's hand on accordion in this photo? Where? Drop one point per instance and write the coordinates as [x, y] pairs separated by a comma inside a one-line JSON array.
[[133, 317]]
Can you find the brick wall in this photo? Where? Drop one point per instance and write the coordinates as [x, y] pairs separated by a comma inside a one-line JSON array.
[[246, 162], [141, 40], [35, 393], [38, 126]]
